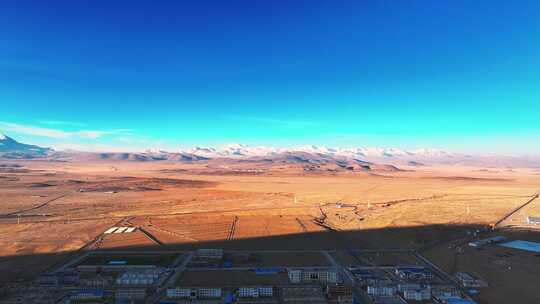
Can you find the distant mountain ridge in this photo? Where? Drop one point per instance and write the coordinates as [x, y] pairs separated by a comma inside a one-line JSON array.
[[391, 156], [239, 150], [341, 157], [360, 158], [12, 149]]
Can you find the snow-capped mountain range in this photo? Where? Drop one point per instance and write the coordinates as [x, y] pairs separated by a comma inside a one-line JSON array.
[[393, 156], [239, 151], [12, 149]]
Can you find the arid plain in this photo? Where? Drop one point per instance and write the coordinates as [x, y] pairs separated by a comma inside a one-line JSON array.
[[51, 210]]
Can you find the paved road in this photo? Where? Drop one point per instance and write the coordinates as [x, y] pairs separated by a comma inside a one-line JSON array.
[[18, 212], [513, 211], [347, 277], [443, 274], [150, 236], [171, 279], [74, 261], [93, 218]]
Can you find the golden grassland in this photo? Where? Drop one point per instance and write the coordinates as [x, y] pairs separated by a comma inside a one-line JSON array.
[[58, 207]]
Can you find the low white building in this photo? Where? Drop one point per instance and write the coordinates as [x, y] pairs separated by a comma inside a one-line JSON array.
[[180, 293], [408, 286], [207, 292], [295, 275], [313, 276], [445, 291], [414, 273], [194, 293], [130, 294], [417, 294], [533, 220], [142, 277], [381, 290], [255, 292]]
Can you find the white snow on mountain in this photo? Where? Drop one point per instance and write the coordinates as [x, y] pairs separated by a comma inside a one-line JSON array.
[[426, 152], [240, 150]]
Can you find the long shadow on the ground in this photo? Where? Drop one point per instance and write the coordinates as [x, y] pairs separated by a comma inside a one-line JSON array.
[[25, 267]]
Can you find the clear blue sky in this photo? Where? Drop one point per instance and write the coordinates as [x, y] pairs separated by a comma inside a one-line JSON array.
[[457, 75]]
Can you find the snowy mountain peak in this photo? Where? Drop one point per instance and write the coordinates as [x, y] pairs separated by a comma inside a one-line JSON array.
[[236, 146], [429, 152], [241, 150], [15, 149]]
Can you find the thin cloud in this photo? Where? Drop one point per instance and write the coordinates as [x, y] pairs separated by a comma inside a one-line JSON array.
[[121, 144], [56, 133], [61, 123], [98, 147]]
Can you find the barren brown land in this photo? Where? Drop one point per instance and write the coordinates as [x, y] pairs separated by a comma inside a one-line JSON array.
[[50, 210]]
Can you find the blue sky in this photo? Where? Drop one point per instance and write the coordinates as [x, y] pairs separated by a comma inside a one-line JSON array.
[[126, 75]]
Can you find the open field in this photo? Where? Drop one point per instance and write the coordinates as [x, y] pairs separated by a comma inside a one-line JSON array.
[[162, 260], [229, 278], [60, 207], [376, 258], [509, 272], [279, 259]]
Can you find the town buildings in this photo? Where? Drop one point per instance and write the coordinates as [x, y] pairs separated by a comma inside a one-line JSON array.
[[312, 276]]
